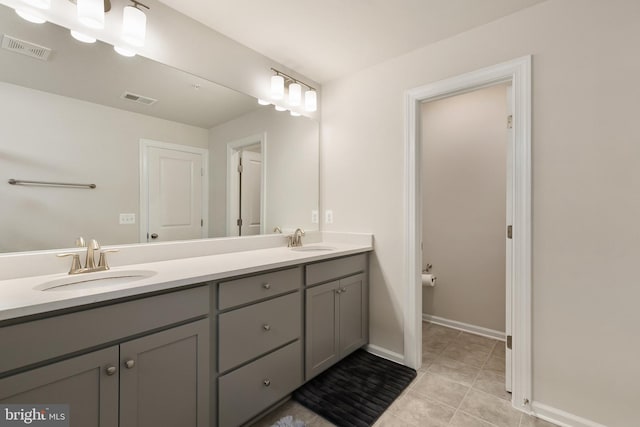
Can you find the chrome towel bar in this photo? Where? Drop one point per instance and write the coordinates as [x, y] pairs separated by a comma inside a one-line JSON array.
[[51, 184]]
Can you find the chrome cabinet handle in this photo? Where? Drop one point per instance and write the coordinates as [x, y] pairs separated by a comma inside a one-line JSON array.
[[154, 235], [267, 286], [266, 382], [266, 327], [343, 290], [338, 291], [111, 370], [130, 363]]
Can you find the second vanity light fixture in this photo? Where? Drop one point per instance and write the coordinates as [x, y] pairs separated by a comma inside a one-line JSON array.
[[281, 81], [90, 13]]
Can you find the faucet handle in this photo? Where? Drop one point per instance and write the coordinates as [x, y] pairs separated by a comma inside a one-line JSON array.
[[102, 261], [80, 243], [75, 262]]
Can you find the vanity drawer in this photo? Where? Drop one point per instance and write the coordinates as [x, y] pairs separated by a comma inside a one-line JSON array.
[[330, 270], [254, 330], [40, 340], [254, 288], [249, 390]]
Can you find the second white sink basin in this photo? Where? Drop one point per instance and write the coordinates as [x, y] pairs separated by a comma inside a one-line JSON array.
[[313, 248], [93, 280]]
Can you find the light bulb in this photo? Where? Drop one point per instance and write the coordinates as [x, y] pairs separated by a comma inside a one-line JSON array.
[[31, 16], [295, 114], [91, 13], [295, 94], [263, 102], [81, 37], [277, 87], [124, 51], [40, 4], [279, 108], [134, 26], [310, 100]]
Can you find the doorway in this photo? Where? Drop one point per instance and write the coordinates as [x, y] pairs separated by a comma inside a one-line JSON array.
[[518, 287], [246, 176], [173, 192]]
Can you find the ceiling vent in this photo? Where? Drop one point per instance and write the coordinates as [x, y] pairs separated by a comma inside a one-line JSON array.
[[25, 48], [145, 100]]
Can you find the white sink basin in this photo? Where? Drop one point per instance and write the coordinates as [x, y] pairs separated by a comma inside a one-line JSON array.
[[94, 280], [313, 248]]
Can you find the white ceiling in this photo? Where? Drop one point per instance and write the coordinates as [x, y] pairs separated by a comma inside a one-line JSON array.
[[329, 38]]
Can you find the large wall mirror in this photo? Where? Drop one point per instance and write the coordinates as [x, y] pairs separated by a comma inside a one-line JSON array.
[[172, 156]]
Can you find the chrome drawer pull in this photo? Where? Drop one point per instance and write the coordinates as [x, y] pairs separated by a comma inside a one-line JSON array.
[[267, 286], [111, 370], [130, 363], [266, 383], [266, 327]]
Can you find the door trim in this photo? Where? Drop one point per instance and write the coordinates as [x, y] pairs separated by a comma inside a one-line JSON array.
[[518, 71], [231, 148], [143, 220]]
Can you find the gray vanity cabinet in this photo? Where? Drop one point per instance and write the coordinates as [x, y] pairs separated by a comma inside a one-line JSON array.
[[336, 312], [82, 382], [151, 372]]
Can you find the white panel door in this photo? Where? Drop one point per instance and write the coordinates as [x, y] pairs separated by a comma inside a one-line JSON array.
[[251, 183], [175, 205]]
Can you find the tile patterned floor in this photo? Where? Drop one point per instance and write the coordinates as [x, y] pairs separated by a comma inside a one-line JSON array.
[[460, 384]]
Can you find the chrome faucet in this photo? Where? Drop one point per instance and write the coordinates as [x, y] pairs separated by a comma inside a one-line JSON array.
[[90, 260], [295, 240]]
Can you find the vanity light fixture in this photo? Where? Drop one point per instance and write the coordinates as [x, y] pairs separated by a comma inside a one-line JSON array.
[[40, 4], [81, 37], [134, 24], [279, 108], [263, 102], [124, 51], [277, 87], [31, 16], [91, 13], [294, 113], [295, 90]]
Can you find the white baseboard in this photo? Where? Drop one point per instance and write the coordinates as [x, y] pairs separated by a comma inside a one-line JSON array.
[[560, 417], [385, 354], [472, 329]]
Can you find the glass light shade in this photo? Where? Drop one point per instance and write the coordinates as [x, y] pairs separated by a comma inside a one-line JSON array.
[[295, 94], [30, 16], [277, 87], [91, 13], [263, 102], [310, 100], [40, 4], [82, 37], [124, 51], [295, 114], [279, 108], [134, 26]]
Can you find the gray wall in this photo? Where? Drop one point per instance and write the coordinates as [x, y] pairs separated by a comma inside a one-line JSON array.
[[464, 197], [49, 137], [585, 189]]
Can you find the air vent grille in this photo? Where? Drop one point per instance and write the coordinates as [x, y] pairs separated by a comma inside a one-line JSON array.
[[25, 48], [145, 100]]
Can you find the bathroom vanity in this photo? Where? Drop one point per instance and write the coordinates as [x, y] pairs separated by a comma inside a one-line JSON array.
[[216, 346]]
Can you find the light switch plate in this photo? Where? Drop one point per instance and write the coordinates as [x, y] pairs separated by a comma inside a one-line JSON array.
[[314, 216], [328, 216], [127, 218]]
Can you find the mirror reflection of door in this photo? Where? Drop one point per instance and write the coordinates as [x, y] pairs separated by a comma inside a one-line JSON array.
[[246, 190], [174, 185]]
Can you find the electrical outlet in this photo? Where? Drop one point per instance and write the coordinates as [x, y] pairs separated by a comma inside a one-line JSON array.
[[314, 216], [328, 216], [127, 218]]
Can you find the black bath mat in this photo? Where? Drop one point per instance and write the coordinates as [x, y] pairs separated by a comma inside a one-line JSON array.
[[355, 391]]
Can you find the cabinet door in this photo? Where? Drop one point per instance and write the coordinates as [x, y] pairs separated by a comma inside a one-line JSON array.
[[164, 378], [352, 314], [82, 382], [321, 347]]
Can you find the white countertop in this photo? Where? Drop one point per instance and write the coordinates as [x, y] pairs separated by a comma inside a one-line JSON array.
[[19, 298]]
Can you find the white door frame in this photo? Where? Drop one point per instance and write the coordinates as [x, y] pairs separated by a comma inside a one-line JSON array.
[[233, 146], [144, 183], [518, 71]]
